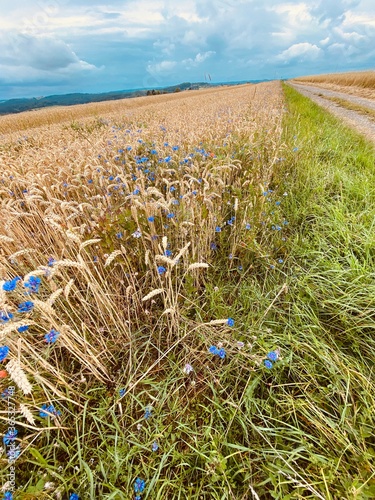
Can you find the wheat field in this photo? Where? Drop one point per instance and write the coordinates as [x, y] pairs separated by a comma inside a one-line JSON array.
[[107, 222], [361, 83]]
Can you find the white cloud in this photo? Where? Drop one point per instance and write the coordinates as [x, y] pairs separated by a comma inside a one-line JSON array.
[[304, 51]]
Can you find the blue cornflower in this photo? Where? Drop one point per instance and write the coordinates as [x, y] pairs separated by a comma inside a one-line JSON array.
[[280, 261], [10, 436], [213, 349], [167, 159], [33, 284], [8, 495], [51, 261], [172, 188], [5, 316], [161, 269], [4, 351], [167, 252], [25, 306], [151, 218], [155, 446], [176, 148], [74, 496], [119, 235], [50, 409], [10, 285], [217, 229], [213, 245], [136, 191], [51, 336], [137, 497], [278, 203], [221, 353], [268, 364], [170, 215], [22, 329], [122, 392], [230, 322], [247, 226], [273, 355], [137, 234], [147, 413], [139, 485]]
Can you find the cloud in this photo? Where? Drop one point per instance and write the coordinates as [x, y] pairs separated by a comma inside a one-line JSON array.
[[301, 52], [149, 43]]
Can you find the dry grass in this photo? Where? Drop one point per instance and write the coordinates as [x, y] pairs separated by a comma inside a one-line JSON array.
[[361, 83], [126, 203]]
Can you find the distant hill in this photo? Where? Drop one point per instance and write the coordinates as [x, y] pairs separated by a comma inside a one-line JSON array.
[[28, 104]]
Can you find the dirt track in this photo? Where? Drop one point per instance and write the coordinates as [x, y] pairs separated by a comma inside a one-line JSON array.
[[354, 119]]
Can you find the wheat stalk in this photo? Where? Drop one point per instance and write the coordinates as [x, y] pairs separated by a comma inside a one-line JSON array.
[[68, 287], [153, 293], [198, 265], [89, 242], [27, 414], [112, 257], [18, 376]]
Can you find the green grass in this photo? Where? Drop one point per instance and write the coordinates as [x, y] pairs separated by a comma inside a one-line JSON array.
[[232, 428]]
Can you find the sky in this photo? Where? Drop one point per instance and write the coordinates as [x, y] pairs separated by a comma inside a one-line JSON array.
[[64, 46]]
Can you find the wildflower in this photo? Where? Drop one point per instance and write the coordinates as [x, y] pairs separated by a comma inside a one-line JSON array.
[[230, 322], [136, 191], [147, 413], [217, 229], [273, 355], [240, 268], [170, 215], [74, 496], [155, 446], [119, 235], [51, 261], [48, 411], [268, 364], [8, 495], [5, 316], [221, 353], [280, 261], [213, 246], [213, 349], [188, 369], [10, 285], [51, 336], [247, 226], [122, 392], [167, 253], [161, 269], [139, 485], [240, 344], [278, 203], [25, 306], [10, 436], [33, 284], [4, 351], [22, 329], [137, 234], [151, 218]]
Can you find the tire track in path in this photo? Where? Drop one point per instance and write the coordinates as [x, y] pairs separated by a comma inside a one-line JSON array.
[[356, 120]]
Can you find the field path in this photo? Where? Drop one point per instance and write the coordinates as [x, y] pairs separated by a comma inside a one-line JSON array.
[[354, 119]]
